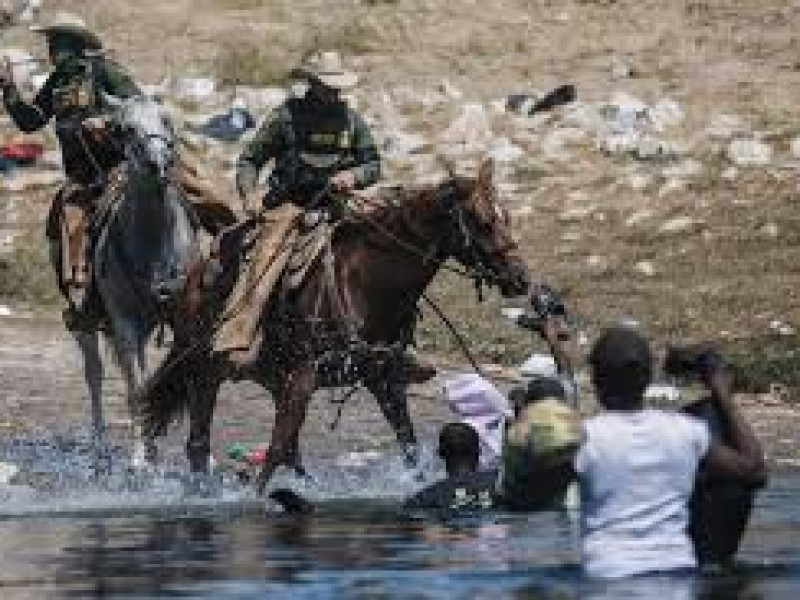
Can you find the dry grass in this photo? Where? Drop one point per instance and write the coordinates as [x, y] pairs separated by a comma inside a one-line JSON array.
[[26, 275]]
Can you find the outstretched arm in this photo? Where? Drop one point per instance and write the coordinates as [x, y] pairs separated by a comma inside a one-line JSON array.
[[267, 143], [368, 163], [743, 459]]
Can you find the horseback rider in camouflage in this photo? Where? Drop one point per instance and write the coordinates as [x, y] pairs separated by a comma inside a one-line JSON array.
[[72, 95], [318, 143]]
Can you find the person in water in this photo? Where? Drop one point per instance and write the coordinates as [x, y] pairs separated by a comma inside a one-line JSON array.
[[465, 487], [637, 467]]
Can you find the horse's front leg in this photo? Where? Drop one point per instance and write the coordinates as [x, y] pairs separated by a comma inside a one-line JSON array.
[[89, 344], [129, 350], [202, 390], [291, 405], [392, 398]]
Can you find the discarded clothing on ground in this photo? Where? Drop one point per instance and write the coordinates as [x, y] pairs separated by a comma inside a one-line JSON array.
[[229, 126]]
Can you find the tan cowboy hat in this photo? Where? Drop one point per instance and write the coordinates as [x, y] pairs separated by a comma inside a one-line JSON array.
[[328, 68], [70, 24]]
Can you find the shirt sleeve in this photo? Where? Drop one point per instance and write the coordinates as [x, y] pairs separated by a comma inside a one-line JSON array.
[[268, 142], [368, 163], [29, 117], [699, 434], [581, 461], [116, 82]]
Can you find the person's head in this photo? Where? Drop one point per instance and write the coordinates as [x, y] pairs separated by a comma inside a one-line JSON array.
[[327, 76], [535, 390], [68, 37], [621, 365], [459, 447]]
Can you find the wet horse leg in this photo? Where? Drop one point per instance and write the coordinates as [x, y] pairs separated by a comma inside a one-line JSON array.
[[89, 344], [130, 357], [393, 401], [202, 390], [291, 405]]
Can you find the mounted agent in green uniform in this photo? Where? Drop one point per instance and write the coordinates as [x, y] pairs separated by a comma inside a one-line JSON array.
[[72, 96], [318, 143]]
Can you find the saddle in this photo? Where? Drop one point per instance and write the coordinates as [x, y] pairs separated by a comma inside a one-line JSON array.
[[279, 253]]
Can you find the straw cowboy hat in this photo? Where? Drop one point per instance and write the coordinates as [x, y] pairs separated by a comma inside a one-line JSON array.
[[69, 24], [328, 68]]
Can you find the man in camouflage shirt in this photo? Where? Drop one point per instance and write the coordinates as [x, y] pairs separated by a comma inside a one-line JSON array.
[[318, 143], [72, 95]]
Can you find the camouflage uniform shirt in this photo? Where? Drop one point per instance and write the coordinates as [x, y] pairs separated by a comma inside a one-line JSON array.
[[309, 142]]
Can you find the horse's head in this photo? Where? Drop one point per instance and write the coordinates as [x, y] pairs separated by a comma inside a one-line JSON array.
[[480, 235], [147, 132]]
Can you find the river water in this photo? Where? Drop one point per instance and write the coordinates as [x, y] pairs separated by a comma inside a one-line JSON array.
[[75, 538]]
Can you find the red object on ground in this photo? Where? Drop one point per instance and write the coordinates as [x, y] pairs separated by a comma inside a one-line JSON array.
[[22, 152], [256, 456]]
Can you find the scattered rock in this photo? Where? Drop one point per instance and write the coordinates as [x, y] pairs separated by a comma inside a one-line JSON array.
[[724, 127], [641, 146], [621, 69], [555, 143], [671, 186], [645, 267], [576, 214], [666, 113], [503, 150], [794, 147], [781, 328], [686, 168], [193, 89], [400, 143], [470, 131], [769, 230], [681, 224], [730, 173], [597, 262], [450, 90], [639, 181], [749, 152], [624, 113], [638, 217]]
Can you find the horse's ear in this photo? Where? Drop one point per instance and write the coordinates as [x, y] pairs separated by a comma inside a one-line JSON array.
[[448, 165], [486, 174]]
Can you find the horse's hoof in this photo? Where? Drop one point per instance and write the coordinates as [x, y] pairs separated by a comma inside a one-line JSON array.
[[291, 502]]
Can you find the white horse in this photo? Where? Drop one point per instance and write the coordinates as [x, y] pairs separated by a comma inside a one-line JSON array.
[[140, 259]]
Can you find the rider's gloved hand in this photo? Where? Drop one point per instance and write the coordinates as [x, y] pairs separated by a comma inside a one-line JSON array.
[[343, 181], [95, 127]]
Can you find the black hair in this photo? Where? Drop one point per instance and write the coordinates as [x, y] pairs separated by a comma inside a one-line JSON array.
[[622, 366], [459, 442], [534, 390]]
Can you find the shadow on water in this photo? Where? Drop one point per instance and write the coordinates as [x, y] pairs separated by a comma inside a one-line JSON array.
[[81, 541]]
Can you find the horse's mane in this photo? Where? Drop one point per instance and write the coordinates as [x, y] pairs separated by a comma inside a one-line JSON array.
[[397, 208]]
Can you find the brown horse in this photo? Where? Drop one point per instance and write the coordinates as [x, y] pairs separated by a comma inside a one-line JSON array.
[[352, 318]]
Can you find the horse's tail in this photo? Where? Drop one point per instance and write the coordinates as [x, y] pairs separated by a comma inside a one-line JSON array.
[[165, 396]]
